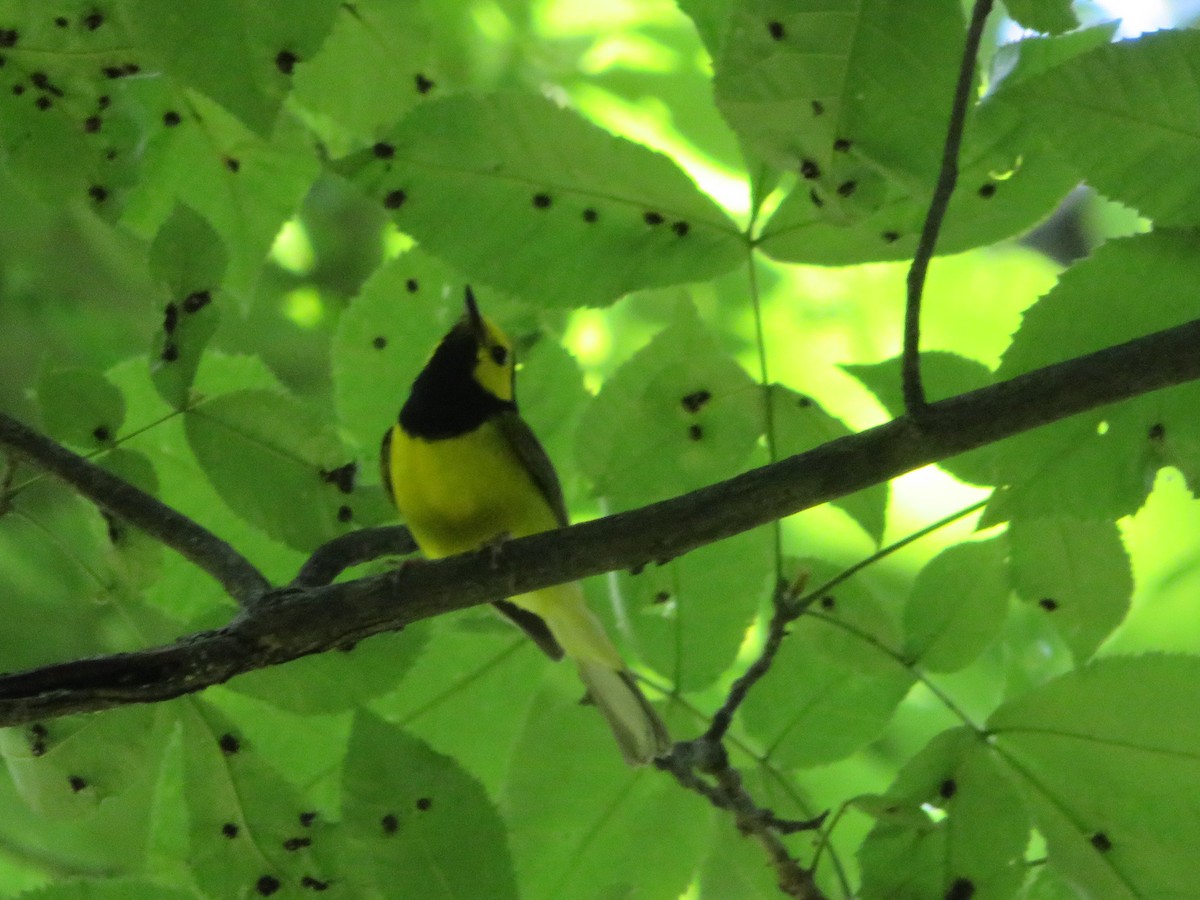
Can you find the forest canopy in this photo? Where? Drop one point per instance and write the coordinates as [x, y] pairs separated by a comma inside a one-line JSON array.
[[863, 337]]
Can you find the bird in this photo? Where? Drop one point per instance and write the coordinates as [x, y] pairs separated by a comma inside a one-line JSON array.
[[466, 471]]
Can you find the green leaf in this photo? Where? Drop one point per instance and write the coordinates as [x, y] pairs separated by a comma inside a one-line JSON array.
[[1077, 572], [65, 768], [819, 702], [793, 79], [957, 605], [1100, 464], [1035, 55], [975, 850], [269, 457], [244, 185], [590, 836], [1124, 114], [408, 813], [244, 820], [1073, 743], [1052, 16], [532, 199], [231, 49], [384, 338], [80, 407], [691, 615], [677, 415], [339, 679], [369, 71], [107, 889], [944, 375], [801, 424]]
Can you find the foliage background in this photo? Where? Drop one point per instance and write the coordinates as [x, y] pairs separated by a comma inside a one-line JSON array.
[[918, 703]]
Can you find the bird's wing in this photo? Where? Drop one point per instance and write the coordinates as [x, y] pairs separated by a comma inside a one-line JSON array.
[[533, 457]]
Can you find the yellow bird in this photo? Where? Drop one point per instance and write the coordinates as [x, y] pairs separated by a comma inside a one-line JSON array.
[[464, 469]]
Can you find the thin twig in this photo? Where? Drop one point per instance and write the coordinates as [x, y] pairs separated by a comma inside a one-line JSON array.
[[914, 391], [195, 543], [334, 557]]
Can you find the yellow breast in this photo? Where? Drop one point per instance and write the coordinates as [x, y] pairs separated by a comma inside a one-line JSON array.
[[459, 493]]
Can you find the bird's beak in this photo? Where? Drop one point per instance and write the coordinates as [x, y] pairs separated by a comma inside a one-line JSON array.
[[474, 319]]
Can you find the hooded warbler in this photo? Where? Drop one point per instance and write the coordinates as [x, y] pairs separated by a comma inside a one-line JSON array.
[[464, 469]]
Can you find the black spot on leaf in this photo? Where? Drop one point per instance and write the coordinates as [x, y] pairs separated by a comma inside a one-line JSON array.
[[171, 118], [285, 61], [43, 103], [818, 108], [103, 101], [1157, 431], [170, 318], [590, 215], [828, 602], [130, 68], [890, 237], [37, 747], [652, 218], [1049, 604], [233, 164], [681, 228], [662, 597], [229, 829], [809, 169], [424, 803], [112, 72], [93, 20], [394, 199], [695, 432], [841, 145], [38, 730], [379, 343], [91, 124], [297, 843], [846, 188], [229, 744], [815, 198], [775, 30], [61, 22], [101, 433], [695, 401], [383, 150], [76, 782], [170, 353], [542, 201], [424, 85], [804, 402], [389, 823], [987, 191], [97, 192], [947, 788], [342, 476], [267, 885], [18, 89], [345, 514], [314, 884], [307, 818], [196, 301], [1101, 842], [9, 37], [961, 889], [412, 285]]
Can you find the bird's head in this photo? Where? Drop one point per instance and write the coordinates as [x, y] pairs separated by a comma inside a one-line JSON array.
[[494, 358]]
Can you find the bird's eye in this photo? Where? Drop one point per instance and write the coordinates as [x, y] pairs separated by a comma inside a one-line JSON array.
[[499, 354]]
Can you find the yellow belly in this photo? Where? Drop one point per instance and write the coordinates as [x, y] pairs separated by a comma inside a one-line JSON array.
[[459, 493]]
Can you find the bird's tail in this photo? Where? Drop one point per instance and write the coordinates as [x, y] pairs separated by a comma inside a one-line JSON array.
[[640, 733]]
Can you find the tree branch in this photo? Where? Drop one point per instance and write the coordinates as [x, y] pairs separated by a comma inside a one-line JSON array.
[[236, 574], [292, 622], [914, 391]]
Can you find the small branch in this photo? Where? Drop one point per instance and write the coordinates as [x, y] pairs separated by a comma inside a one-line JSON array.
[[727, 792], [914, 391], [786, 612], [195, 543], [334, 557], [293, 622]]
